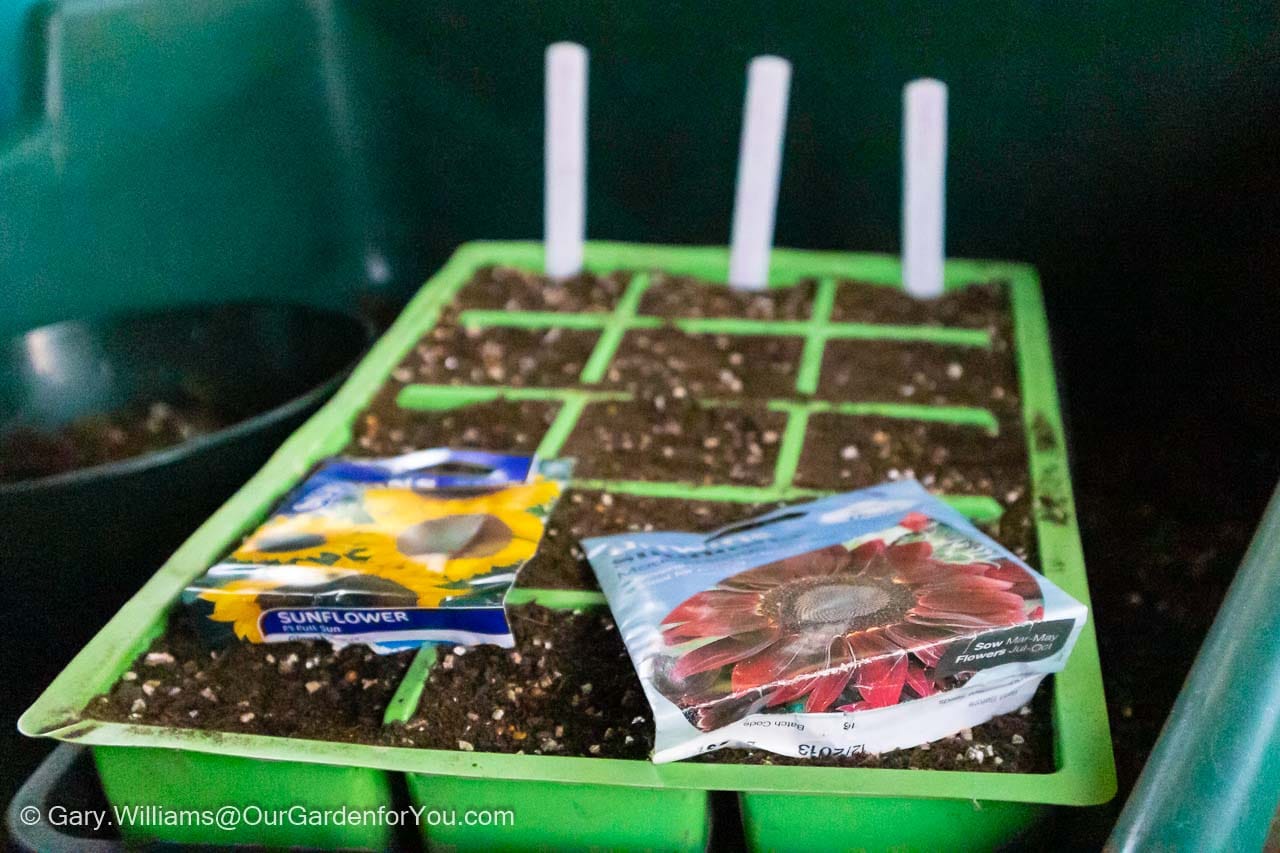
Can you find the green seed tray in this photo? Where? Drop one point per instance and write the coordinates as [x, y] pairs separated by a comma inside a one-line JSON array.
[[612, 803]]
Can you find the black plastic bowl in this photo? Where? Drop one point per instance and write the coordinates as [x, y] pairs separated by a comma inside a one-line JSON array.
[[75, 545]]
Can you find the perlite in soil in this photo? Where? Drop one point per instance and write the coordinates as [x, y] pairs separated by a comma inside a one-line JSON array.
[[866, 622]]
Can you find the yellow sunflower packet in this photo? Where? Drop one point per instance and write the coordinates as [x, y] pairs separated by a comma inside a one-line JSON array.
[[390, 553]]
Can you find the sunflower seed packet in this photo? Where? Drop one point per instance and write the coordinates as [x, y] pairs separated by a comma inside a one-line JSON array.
[[865, 622], [391, 553]]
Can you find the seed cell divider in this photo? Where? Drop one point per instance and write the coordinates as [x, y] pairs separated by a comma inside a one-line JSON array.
[[774, 800], [573, 401]]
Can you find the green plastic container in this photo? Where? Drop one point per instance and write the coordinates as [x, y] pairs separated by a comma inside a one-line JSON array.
[[604, 802], [581, 810]]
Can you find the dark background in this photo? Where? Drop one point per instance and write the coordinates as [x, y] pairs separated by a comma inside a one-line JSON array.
[[336, 152]]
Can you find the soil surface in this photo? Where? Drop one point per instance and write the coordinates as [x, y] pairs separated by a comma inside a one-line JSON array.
[[567, 688], [706, 366], [385, 429], [560, 563], [682, 296], [918, 373], [453, 354], [26, 454], [303, 689], [676, 440], [843, 452], [976, 306], [510, 289]]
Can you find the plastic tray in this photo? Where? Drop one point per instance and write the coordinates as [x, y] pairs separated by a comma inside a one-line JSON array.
[[860, 807]]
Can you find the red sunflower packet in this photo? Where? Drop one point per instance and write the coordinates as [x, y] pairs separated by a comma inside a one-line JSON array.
[[875, 620]]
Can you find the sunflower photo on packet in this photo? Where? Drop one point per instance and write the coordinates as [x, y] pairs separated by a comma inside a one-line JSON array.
[[389, 552], [866, 622]]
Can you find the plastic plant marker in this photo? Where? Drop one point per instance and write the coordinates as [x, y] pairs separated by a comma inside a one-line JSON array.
[[565, 191], [764, 124], [924, 166], [1084, 773]]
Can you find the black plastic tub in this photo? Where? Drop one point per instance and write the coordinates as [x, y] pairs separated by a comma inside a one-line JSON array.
[[78, 543]]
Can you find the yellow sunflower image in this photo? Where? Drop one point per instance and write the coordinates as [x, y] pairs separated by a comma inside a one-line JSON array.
[[416, 550], [459, 538]]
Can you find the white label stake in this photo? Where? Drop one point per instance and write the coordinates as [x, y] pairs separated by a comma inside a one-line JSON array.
[[924, 169], [764, 123], [565, 190]]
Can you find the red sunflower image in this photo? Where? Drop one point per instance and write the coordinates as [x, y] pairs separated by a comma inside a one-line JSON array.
[[838, 629]]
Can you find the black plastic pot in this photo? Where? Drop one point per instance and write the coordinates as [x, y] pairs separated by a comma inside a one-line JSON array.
[[74, 546]]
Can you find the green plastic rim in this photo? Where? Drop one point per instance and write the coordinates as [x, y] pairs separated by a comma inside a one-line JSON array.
[[1085, 774]]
